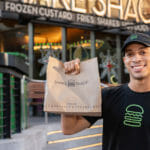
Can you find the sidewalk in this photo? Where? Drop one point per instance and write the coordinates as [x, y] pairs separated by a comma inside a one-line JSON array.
[[33, 138]]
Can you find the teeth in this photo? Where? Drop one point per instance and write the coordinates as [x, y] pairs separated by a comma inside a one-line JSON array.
[[138, 68]]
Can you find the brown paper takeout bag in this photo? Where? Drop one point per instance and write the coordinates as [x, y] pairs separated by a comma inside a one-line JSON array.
[[73, 94]]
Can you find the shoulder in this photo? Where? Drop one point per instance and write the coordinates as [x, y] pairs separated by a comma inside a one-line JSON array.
[[113, 90], [111, 96]]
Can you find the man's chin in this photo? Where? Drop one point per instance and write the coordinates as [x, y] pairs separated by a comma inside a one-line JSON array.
[[138, 77]]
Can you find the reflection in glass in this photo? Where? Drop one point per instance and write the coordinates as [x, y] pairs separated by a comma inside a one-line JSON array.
[[106, 53], [78, 44], [47, 42], [13, 37]]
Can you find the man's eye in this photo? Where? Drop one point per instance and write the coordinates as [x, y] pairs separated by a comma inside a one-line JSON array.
[[142, 53], [129, 55]]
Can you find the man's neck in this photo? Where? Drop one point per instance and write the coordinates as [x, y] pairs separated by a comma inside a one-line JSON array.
[[139, 85]]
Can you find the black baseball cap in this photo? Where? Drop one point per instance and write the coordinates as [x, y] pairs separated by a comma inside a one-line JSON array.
[[141, 38]]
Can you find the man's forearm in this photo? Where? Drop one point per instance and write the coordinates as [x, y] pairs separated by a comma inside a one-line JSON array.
[[68, 122], [72, 124]]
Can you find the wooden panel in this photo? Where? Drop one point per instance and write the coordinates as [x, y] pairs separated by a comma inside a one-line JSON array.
[[36, 89]]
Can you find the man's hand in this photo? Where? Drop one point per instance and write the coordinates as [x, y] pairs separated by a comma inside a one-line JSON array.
[[72, 67]]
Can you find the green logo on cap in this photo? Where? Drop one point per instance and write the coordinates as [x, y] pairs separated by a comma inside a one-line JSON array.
[[133, 37]]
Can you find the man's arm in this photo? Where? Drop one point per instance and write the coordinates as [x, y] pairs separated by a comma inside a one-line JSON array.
[[73, 124], [70, 123]]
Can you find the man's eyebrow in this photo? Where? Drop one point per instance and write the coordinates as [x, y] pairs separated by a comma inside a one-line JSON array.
[[143, 47], [128, 50]]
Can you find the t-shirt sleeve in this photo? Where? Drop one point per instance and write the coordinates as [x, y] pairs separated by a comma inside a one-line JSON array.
[[91, 119]]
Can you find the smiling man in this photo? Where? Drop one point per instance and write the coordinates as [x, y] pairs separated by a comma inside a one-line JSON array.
[[126, 108]]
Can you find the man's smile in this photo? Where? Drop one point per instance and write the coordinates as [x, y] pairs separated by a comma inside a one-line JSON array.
[[138, 68]]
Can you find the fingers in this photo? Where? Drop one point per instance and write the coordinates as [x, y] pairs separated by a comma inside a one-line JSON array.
[[77, 68], [72, 67]]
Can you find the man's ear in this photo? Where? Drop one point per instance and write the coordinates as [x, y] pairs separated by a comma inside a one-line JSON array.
[[124, 60]]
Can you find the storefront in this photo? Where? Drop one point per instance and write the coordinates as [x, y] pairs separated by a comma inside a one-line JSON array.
[[68, 29]]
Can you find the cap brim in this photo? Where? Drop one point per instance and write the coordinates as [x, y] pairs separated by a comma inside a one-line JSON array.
[[124, 46]]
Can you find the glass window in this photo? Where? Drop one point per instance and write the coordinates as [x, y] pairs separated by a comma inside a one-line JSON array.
[[106, 53], [125, 74], [47, 42], [13, 37], [78, 44]]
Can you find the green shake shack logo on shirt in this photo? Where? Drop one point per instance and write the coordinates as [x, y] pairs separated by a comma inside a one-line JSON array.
[[133, 115]]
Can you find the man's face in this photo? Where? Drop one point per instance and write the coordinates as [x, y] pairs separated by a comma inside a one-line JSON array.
[[137, 61]]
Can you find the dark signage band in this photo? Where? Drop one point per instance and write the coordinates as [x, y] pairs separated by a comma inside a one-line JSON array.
[[72, 17]]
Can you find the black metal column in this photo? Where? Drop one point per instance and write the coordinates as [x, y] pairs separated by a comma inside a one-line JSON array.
[[30, 51], [6, 106], [93, 47], [18, 105], [119, 58], [64, 43]]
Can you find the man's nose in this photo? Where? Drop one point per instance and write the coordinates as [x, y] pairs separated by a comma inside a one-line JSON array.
[[136, 58]]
